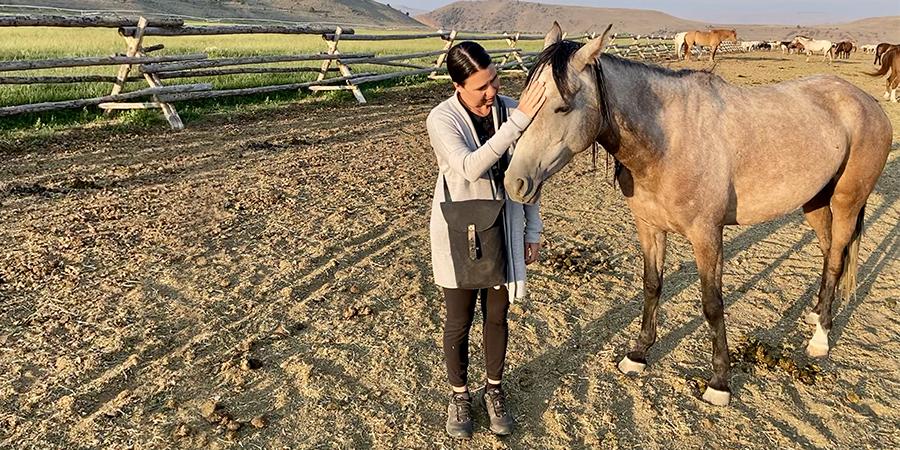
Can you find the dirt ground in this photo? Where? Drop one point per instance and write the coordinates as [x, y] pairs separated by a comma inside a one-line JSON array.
[[262, 280]]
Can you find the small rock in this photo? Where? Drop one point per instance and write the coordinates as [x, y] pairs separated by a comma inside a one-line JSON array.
[[233, 425], [354, 289], [258, 422], [182, 431], [852, 397], [350, 312], [281, 330], [209, 408]]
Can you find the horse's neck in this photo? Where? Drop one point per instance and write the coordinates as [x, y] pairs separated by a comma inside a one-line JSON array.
[[633, 93]]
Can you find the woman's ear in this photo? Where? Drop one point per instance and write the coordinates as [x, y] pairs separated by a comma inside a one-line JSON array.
[[458, 87]]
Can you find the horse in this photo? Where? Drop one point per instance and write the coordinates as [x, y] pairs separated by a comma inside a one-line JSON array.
[[680, 50], [842, 49], [814, 46], [795, 47], [880, 49], [696, 154], [711, 38], [785, 46], [869, 48], [747, 46], [890, 61]]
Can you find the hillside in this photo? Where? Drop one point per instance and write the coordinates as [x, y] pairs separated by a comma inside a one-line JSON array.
[[351, 12], [507, 15]]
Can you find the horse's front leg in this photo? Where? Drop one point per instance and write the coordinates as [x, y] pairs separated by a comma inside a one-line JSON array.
[[707, 244], [653, 247]]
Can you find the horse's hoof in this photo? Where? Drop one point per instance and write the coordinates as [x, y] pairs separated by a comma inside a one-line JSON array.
[[626, 366], [818, 345], [812, 318], [716, 397]]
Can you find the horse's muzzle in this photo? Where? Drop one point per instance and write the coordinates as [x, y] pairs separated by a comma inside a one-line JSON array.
[[520, 189]]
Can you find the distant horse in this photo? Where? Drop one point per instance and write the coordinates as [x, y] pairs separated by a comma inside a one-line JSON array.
[[879, 51], [815, 46], [842, 49], [711, 38], [747, 46], [680, 50], [785, 46], [890, 61], [869, 48], [697, 154], [796, 47]]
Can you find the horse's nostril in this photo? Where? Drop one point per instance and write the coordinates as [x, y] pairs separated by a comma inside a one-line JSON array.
[[520, 185]]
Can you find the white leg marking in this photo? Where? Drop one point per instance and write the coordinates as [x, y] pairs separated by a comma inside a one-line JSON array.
[[627, 366], [716, 397], [818, 345]]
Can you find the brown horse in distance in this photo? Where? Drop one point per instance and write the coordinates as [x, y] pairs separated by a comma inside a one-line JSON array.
[[880, 50], [842, 49], [711, 38], [890, 62]]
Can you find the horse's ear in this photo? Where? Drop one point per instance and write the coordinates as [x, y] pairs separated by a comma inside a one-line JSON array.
[[588, 54], [554, 35]]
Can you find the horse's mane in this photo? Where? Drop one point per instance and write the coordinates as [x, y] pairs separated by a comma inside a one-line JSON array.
[[559, 56]]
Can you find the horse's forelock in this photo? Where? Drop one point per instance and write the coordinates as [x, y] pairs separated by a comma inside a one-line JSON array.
[[558, 56]]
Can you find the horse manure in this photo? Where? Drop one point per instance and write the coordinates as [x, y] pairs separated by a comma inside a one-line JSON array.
[[697, 383], [752, 354]]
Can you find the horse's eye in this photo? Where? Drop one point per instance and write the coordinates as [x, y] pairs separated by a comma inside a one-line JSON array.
[[562, 109]]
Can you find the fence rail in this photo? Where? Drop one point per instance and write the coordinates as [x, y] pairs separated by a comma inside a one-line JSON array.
[[135, 64]]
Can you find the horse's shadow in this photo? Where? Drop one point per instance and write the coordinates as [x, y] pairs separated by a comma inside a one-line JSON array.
[[590, 339]]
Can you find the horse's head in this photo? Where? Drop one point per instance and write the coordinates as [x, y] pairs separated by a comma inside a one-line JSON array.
[[570, 119], [730, 35]]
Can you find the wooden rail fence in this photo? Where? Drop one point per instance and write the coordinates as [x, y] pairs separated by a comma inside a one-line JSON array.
[[137, 63]]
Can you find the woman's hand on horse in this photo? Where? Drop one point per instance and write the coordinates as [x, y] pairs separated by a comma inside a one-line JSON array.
[[532, 99], [532, 252]]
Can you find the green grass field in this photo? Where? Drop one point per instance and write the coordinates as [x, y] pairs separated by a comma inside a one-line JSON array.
[[29, 43]]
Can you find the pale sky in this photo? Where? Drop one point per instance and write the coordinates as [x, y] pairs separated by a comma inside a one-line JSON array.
[[789, 12]]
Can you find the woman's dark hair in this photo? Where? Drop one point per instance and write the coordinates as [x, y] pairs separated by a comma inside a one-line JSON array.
[[466, 58]]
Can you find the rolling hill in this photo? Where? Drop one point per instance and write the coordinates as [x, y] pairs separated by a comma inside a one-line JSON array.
[[349, 12], [507, 15]]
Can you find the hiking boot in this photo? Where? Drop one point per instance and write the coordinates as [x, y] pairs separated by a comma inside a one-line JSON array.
[[459, 415], [495, 402]]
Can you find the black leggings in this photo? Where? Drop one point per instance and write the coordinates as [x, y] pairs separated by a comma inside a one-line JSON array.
[[460, 304]]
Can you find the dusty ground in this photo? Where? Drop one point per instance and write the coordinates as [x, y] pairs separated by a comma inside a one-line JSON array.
[[275, 264]]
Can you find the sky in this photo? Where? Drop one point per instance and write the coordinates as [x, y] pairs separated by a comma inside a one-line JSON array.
[[788, 12]]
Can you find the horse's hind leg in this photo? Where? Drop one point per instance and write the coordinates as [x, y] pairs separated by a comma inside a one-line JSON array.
[[653, 247], [848, 209], [818, 215], [707, 243]]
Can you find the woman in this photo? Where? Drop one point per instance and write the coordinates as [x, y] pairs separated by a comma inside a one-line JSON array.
[[473, 149]]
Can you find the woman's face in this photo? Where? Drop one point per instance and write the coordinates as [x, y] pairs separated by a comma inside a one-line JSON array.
[[480, 89]]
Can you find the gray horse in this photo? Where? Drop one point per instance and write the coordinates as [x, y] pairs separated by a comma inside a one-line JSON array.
[[699, 153]]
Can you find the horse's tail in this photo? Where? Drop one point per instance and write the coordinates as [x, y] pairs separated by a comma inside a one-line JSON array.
[[886, 61], [847, 283]]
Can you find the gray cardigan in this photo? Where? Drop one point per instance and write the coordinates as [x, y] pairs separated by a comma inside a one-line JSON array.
[[465, 163]]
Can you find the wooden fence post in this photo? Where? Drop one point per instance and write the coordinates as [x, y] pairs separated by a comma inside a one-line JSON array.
[[344, 68], [443, 57], [135, 49], [512, 41]]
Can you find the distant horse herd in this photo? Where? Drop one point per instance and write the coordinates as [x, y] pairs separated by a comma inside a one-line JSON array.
[[886, 55]]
